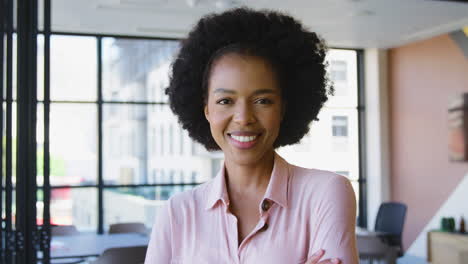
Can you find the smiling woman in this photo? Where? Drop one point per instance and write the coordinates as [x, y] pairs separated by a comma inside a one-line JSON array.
[[247, 82]]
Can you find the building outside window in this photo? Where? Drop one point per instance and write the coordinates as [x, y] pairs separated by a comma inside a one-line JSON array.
[[339, 76], [340, 126]]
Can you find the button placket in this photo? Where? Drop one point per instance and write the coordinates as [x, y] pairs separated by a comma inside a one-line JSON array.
[[266, 206]]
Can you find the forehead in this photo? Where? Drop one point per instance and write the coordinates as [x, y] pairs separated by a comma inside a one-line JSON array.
[[242, 73]]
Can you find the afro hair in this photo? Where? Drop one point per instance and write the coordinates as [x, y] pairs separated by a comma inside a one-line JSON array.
[[297, 56]]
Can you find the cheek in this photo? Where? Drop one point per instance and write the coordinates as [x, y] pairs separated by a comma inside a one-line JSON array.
[[217, 122], [273, 121]]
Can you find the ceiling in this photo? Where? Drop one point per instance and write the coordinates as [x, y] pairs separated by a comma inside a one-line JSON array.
[[343, 23]]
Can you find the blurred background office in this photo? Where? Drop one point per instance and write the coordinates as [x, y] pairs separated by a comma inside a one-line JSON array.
[[89, 140]]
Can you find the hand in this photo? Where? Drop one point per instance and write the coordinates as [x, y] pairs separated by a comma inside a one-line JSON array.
[[318, 255]]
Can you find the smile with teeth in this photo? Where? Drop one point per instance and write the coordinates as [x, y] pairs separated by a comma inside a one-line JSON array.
[[244, 138]]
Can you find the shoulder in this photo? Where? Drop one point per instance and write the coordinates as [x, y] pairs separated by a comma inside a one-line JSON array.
[[320, 183], [324, 178]]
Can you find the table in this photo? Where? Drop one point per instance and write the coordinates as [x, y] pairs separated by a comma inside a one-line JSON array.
[[370, 245], [447, 247], [92, 245]]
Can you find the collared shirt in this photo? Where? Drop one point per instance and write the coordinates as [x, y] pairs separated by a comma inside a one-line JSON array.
[[302, 211]]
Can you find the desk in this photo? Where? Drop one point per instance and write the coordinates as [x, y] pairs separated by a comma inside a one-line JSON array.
[[92, 245], [446, 247], [371, 246]]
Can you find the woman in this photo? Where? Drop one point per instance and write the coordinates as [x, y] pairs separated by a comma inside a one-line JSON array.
[[247, 82]]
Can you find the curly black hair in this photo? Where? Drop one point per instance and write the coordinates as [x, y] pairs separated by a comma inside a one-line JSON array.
[[296, 55]]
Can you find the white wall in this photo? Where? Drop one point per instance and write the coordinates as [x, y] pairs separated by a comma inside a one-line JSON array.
[[377, 131]]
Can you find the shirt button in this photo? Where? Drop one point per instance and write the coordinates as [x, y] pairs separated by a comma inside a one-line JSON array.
[[266, 205], [264, 227]]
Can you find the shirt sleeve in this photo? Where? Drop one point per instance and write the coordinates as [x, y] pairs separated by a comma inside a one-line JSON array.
[[335, 222], [160, 244]]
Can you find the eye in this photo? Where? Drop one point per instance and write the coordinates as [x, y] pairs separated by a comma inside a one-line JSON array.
[[263, 101], [224, 101]]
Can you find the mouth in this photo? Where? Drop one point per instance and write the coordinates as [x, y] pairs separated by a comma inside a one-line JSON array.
[[243, 140]]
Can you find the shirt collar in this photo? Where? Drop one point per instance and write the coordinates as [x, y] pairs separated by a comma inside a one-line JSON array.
[[277, 190]]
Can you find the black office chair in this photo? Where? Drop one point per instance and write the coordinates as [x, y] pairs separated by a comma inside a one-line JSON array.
[[391, 219]]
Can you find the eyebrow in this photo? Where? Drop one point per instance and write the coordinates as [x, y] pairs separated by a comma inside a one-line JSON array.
[[257, 92]]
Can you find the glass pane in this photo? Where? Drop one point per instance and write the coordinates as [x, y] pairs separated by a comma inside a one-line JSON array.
[[145, 144], [13, 142], [73, 144], [71, 206], [136, 69], [342, 71], [331, 144], [40, 145], [136, 204], [73, 68], [14, 65], [13, 207], [40, 67]]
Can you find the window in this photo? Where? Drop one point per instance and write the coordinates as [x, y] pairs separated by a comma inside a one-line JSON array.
[[340, 126], [142, 143], [338, 70]]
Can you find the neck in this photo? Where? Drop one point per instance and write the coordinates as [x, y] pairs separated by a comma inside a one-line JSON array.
[[250, 178]]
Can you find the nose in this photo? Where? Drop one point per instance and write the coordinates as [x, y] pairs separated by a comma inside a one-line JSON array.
[[244, 114]]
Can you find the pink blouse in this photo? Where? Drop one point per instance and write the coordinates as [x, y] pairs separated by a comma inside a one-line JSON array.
[[303, 210]]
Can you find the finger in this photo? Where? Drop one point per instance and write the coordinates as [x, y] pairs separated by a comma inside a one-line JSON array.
[[314, 259], [330, 261]]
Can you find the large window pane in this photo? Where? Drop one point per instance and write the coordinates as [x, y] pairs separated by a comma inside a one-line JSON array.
[[342, 71], [13, 66], [136, 204], [40, 67], [145, 144], [71, 206], [136, 70], [73, 68], [73, 144], [331, 144]]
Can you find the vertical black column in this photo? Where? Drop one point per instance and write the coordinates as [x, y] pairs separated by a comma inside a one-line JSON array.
[[2, 39], [26, 187], [45, 232], [99, 125], [362, 220]]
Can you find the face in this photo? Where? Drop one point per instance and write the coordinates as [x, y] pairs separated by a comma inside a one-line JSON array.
[[244, 108]]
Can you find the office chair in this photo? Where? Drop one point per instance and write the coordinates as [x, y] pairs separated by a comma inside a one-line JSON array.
[[391, 219]]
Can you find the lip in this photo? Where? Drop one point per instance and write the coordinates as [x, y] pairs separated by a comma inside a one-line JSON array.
[[243, 145]]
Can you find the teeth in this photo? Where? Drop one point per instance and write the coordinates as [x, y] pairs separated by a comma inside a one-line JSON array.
[[244, 138]]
